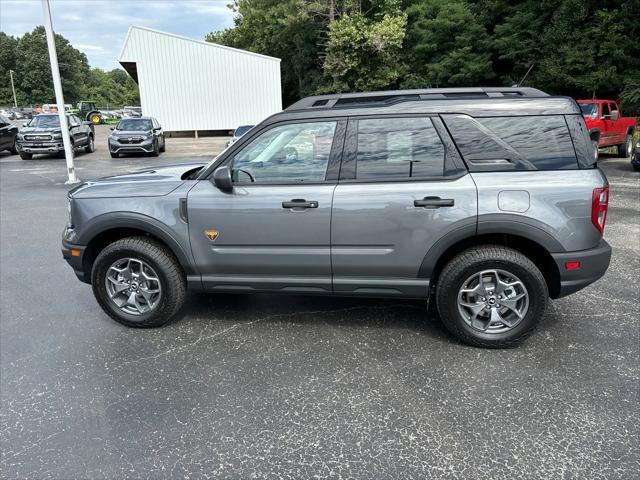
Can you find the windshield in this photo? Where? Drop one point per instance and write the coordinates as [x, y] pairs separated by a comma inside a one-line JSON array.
[[589, 109], [135, 125], [240, 131], [45, 121]]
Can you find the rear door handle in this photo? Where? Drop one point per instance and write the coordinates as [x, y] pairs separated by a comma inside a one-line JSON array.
[[434, 202], [300, 203]]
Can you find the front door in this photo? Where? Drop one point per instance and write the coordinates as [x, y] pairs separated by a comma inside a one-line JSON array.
[[400, 191], [272, 231]]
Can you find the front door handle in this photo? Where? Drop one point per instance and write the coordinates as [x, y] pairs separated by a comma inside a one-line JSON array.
[[300, 203], [434, 202]]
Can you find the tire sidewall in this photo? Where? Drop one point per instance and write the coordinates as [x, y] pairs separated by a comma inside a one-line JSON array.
[[98, 283], [537, 301]]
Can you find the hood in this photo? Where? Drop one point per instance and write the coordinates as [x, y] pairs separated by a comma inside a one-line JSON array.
[[51, 130], [149, 182]]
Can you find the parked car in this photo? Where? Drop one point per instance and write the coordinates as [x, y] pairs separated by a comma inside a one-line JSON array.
[[136, 135], [26, 112], [43, 135], [237, 133], [607, 127], [487, 201], [129, 111], [8, 132], [635, 157]]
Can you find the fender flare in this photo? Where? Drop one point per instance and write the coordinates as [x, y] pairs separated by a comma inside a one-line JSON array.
[[115, 220], [521, 227]]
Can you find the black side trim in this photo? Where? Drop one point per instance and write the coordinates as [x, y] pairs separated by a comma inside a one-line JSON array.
[[113, 220]]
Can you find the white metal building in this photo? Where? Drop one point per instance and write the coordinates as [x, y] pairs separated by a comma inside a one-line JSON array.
[[191, 85]]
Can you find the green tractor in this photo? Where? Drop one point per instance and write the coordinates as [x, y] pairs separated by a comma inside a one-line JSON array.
[[89, 112]]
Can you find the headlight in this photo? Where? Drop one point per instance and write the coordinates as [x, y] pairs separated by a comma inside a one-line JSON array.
[[56, 136]]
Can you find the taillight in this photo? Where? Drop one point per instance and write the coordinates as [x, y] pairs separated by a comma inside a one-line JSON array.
[[599, 206]]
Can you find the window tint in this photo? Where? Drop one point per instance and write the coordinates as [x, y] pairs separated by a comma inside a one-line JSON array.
[[398, 148], [286, 154], [521, 143]]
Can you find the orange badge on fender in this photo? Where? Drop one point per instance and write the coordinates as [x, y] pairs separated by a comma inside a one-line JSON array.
[[211, 234]]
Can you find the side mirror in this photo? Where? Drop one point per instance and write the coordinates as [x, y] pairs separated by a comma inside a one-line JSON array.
[[614, 114], [112, 128], [157, 129], [222, 178], [25, 124]]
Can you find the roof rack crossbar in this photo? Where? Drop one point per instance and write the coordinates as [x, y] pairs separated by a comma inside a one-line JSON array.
[[352, 100]]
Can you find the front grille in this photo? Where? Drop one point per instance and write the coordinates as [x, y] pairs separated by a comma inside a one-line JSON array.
[[38, 138], [130, 140]]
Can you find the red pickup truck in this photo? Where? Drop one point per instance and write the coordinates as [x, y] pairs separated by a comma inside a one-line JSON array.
[[607, 127]]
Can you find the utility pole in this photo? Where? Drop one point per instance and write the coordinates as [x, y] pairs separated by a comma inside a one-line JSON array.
[[15, 102], [57, 87]]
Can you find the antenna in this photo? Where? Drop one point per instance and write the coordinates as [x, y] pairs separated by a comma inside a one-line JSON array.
[[525, 75]]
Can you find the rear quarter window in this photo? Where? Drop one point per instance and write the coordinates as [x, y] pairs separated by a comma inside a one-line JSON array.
[[513, 143]]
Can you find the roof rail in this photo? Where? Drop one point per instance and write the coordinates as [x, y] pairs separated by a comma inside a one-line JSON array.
[[389, 97]]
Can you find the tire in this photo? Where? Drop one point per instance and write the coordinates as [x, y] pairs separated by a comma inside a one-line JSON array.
[[469, 264], [114, 155], [164, 266], [156, 149], [90, 148], [95, 118], [163, 148], [625, 150], [13, 149], [594, 143], [26, 156]]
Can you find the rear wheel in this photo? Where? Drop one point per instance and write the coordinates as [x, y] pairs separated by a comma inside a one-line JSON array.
[[491, 296], [138, 282], [26, 156], [626, 148], [95, 118], [594, 143]]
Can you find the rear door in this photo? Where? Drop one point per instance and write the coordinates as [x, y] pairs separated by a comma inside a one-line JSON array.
[[402, 188], [272, 231]]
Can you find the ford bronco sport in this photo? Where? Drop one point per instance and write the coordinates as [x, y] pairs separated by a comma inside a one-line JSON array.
[[487, 200]]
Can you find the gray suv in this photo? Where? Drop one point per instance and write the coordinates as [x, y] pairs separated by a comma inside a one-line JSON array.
[[485, 200]]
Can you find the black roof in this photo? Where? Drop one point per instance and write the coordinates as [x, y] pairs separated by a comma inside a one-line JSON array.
[[473, 101]]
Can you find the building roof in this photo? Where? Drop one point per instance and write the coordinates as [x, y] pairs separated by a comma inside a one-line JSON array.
[[187, 39]]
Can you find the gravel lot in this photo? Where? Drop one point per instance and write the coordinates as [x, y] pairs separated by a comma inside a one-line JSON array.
[[297, 387]]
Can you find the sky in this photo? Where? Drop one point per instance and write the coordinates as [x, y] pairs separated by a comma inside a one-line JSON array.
[[98, 27]]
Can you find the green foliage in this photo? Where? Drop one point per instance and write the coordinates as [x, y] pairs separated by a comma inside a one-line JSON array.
[[577, 47], [112, 89], [29, 58]]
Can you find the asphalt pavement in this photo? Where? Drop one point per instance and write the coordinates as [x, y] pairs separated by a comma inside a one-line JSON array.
[[252, 386]]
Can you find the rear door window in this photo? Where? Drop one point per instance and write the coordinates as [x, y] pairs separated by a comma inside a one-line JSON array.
[[513, 143], [398, 148]]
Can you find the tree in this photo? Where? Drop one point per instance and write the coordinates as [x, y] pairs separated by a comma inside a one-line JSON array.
[[33, 72], [364, 46], [8, 46], [445, 46], [114, 88]]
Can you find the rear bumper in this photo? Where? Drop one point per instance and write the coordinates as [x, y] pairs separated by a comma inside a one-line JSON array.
[[593, 265]]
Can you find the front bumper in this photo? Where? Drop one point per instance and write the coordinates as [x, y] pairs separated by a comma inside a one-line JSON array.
[[74, 255], [146, 146], [40, 147], [593, 265]]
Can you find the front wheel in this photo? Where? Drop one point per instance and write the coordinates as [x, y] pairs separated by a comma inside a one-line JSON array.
[[626, 148], [138, 282], [491, 296], [13, 149], [163, 148], [26, 156], [90, 146], [156, 149]]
